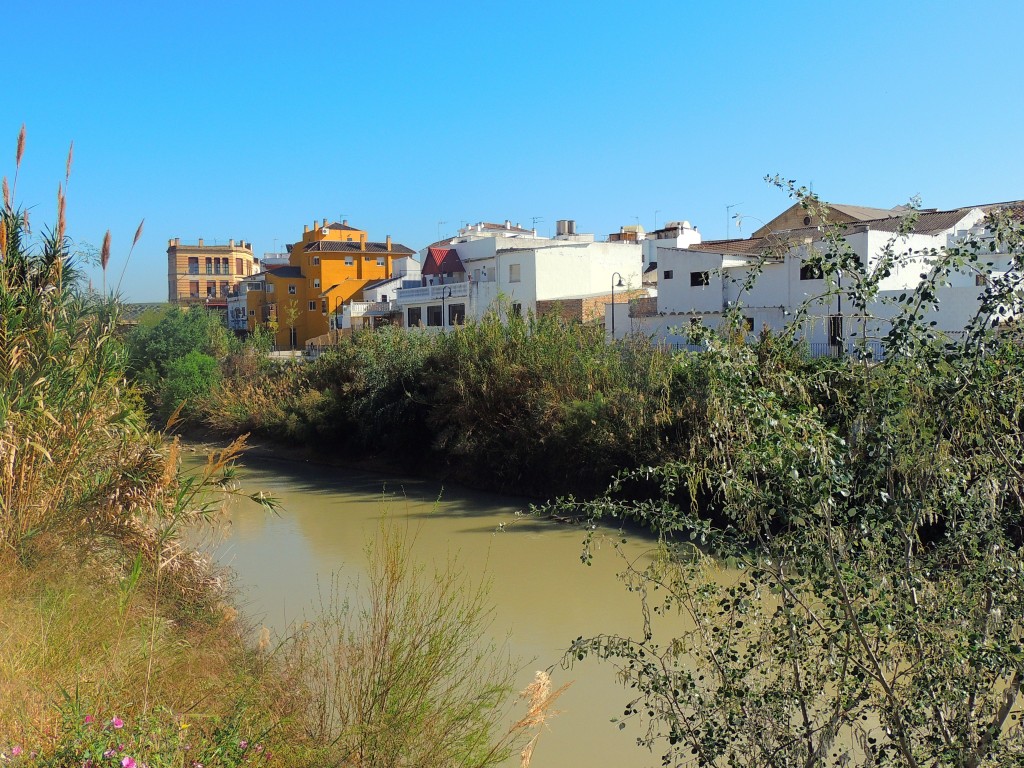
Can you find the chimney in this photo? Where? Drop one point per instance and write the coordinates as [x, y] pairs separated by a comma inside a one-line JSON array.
[[362, 244], [200, 242], [305, 228], [170, 242], [231, 243], [387, 242], [325, 222], [344, 223], [508, 224]]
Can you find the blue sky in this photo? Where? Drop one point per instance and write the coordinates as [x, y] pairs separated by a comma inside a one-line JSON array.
[[246, 120]]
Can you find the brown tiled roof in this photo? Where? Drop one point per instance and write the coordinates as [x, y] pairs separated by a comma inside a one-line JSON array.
[[287, 271], [342, 226], [751, 246], [350, 246], [862, 212]]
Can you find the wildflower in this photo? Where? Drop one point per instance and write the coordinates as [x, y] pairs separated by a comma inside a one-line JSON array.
[[184, 724], [243, 744], [15, 751], [117, 722], [88, 719], [128, 763], [108, 754]]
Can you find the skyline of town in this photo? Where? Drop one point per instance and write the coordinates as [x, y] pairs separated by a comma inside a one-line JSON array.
[[412, 120]]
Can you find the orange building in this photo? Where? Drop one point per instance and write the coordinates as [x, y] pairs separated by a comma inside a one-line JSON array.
[[329, 266], [206, 274]]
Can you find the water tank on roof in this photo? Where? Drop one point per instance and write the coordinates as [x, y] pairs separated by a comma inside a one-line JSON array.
[[565, 227]]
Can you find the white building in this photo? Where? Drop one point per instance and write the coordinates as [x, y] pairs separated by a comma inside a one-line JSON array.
[[465, 276], [699, 282]]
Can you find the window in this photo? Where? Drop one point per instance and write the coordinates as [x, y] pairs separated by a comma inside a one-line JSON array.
[[349, 261], [193, 265], [238, 267], [517, 309], [316, 261], [748, 323], [323, 306], [383, 297], [291, 290], [209, 265], [223, 289], [380, 261], [810, 272], [700, 278], [456, 314], [415, 317], [434, 315], [211, 290], [252, 313], [193, 289], [316, 282], [667, 274], [513, 273], [312, 306]]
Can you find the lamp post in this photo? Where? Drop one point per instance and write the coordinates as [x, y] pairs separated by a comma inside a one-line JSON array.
[[615, 285]]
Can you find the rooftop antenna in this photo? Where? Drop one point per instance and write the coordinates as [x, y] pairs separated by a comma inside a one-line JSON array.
[[729, 208], [535, 219], [439, 225]]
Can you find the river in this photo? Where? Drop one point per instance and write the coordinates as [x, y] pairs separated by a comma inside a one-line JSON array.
[[544, 596]]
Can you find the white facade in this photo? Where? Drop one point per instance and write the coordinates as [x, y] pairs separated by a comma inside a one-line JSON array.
[[699, 285], [522, 270]]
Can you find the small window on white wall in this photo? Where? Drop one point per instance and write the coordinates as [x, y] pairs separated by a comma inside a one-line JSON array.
[[291, 290], [312, 306], [514, 273]]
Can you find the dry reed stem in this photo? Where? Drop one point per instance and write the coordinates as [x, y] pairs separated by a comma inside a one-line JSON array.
[[538, 712], [7, 194], [61, 221]]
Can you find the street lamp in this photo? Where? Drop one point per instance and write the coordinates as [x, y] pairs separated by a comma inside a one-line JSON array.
[[445, 292], [615, 285], [336, 320]]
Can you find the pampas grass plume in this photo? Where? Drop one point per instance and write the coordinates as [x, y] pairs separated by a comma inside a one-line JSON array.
[[21, 147], [105, 252], [138, 233]]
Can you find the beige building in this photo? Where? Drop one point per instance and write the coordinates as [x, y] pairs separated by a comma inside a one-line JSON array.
[[206, 274]]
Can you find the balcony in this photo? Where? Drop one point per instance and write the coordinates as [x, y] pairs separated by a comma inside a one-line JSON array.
[[372, 308], [431, 292]]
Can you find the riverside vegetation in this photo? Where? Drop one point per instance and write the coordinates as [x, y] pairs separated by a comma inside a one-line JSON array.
[[869, 510], [118, 642]]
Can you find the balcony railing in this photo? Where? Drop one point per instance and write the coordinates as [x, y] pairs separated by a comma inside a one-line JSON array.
[[429, 292]]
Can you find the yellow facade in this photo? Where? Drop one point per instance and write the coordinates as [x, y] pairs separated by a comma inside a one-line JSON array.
[[328, 267]]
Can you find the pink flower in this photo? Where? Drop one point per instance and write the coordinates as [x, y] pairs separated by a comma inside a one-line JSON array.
[[88, 719], [243, 744], [128, 763], [117, 722], [16, 751], [108, 754]]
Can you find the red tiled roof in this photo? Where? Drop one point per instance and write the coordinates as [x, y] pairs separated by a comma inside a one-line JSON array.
[[442, 261]]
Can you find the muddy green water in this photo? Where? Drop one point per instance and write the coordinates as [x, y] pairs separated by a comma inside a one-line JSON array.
[[544, 596]]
